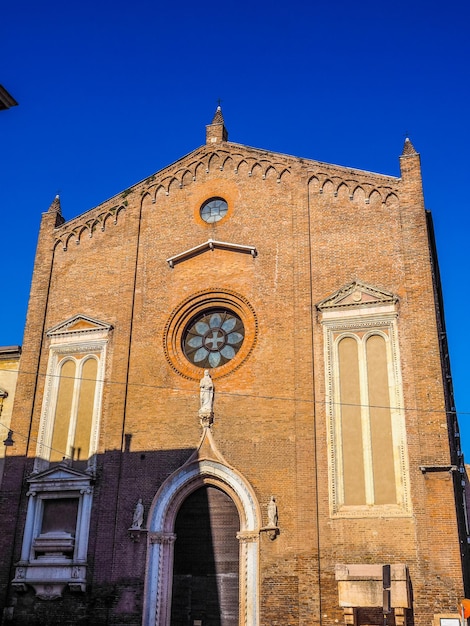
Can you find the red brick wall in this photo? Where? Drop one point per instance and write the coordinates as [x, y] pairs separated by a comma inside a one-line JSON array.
[[270, 420]]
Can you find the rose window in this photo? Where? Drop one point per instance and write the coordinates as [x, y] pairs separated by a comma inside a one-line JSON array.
[[213, 338]]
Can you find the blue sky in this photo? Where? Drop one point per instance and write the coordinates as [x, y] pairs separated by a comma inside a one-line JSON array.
[[110, 92]]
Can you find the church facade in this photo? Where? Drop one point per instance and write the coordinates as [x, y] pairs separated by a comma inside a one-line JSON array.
[[234, 405]]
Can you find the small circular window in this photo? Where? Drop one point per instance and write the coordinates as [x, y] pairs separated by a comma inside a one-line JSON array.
[[213, 338], [214, 210]]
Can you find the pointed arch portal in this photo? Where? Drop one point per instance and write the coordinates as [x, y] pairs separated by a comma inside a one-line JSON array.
[[161, 538]]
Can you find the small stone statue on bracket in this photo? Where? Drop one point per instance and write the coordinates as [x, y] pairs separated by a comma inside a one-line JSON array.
[[272, 529], [272, 513], [138, 517]]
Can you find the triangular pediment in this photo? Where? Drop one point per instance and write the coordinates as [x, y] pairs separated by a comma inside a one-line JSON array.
[[79, 324], [357, 294], [60, 473]]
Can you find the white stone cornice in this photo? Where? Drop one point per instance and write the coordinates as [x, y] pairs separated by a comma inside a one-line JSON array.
[[210, 245]]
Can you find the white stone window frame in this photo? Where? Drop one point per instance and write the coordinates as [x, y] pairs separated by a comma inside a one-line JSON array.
[[367, 320], [67, 342], [49, 575]]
